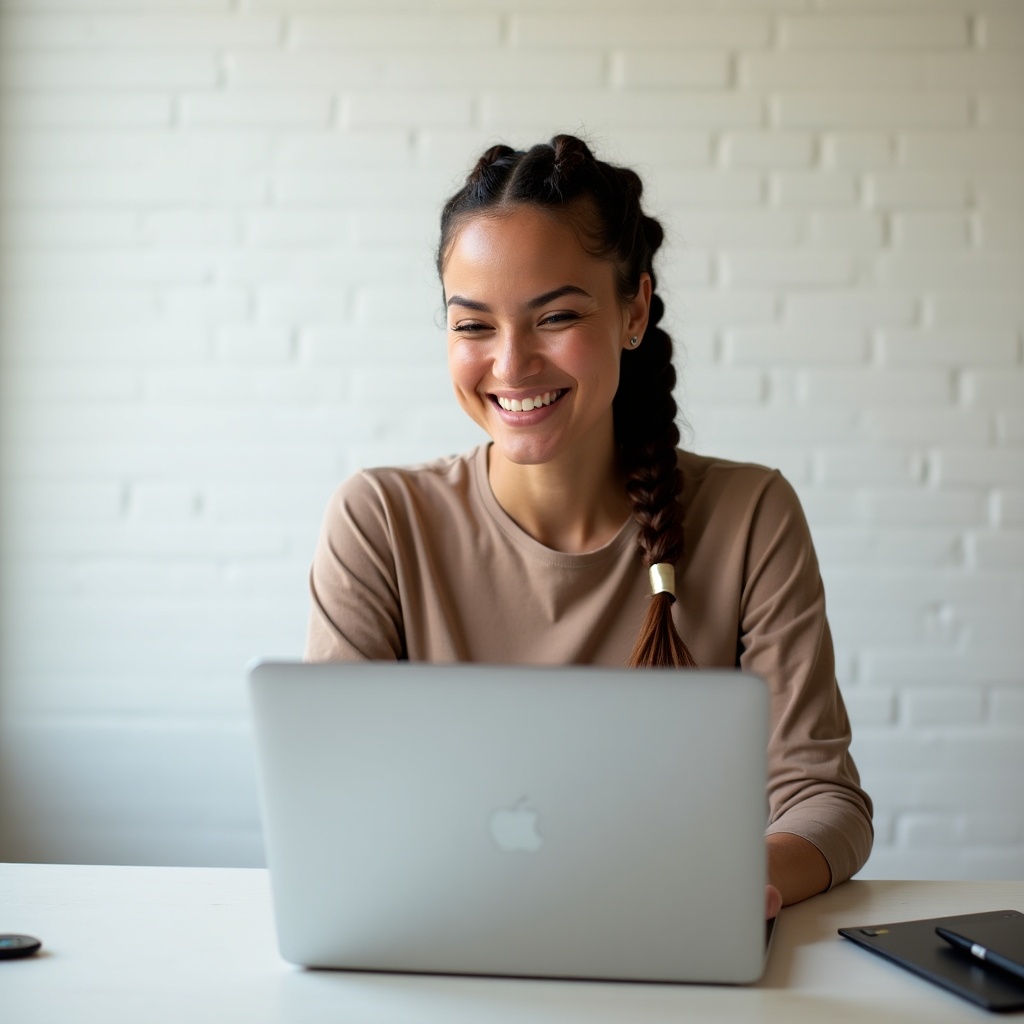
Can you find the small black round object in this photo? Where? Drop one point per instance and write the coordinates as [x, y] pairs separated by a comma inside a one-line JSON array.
[[12, 946]]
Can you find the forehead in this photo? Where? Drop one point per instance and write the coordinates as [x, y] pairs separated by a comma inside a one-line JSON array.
[[524, 247]]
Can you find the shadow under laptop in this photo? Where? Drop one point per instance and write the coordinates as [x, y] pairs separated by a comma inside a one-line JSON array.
[[461, 999]]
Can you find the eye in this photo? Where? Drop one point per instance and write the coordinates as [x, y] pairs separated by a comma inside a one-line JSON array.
[[468, 328], [558, 318]]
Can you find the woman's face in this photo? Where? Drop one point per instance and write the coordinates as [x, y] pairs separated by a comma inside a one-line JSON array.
[[535, 332]]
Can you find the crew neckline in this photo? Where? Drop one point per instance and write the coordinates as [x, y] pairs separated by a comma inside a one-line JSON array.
[[519, 536]]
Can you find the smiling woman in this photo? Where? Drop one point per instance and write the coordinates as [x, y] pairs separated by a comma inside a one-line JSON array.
[[560, 212], [581, 533]]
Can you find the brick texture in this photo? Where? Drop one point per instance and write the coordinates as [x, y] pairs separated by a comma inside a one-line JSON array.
[[217, 299]]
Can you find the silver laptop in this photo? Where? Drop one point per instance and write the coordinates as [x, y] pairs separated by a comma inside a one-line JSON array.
[[546, 822]]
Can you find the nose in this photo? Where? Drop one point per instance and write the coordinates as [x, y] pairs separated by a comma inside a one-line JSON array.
[[517, 357]]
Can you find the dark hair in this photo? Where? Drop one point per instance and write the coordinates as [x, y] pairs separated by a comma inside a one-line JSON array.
[[602, 204]]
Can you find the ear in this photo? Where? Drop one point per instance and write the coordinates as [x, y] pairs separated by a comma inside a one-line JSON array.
[[637, 311]]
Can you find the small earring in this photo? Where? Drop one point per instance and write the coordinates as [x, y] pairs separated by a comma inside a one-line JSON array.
[[634, 341]]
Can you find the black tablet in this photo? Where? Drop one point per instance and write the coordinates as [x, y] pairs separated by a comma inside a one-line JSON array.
[[915, 946]]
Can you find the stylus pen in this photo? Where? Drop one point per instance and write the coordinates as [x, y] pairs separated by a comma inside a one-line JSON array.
[[976, 949]]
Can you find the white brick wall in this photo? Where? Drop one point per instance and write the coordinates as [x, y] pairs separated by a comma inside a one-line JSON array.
[[217, 222]]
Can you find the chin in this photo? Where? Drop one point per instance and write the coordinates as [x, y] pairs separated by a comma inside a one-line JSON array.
[[522, 454]]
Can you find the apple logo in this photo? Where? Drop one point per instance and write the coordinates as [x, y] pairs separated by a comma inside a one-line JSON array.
[[515, 828]]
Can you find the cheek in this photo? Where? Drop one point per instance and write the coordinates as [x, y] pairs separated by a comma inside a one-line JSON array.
[[463, 367], [594, 360]]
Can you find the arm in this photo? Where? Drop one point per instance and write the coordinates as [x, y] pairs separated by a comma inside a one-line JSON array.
[[796, 868], [355, 611], [819, 830]]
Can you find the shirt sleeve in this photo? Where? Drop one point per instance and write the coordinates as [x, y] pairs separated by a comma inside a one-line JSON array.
[[355, 612], [813, 785]]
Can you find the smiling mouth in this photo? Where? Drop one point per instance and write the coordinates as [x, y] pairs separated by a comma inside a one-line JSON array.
[[529, 404]]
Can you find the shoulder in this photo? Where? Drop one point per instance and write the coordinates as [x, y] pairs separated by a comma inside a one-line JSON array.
[[729, 485], [386, 491], [742, 507]]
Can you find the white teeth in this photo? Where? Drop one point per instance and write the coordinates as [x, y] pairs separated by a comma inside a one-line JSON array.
[[527, 404]]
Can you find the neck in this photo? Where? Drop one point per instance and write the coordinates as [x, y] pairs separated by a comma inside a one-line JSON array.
[[571, 504]]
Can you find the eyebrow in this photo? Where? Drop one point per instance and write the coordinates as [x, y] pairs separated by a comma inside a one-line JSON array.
[[540, 300]]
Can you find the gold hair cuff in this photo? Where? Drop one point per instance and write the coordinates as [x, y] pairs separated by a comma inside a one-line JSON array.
[[663, 579]]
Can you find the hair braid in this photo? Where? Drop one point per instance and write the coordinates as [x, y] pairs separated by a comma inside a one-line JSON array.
[[601, 203], [645, 423]]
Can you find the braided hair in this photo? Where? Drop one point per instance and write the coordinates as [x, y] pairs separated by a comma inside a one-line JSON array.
[[601, 203]]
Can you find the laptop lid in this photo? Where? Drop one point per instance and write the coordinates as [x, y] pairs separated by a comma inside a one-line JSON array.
[[572, 822]]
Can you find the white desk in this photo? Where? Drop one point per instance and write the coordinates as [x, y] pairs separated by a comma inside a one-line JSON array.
[[188, 945]]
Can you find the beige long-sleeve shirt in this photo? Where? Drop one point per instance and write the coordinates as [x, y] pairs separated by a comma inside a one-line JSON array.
[[423, 563]]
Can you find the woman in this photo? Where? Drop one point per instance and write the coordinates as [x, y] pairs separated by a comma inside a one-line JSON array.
[[580, 533]]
